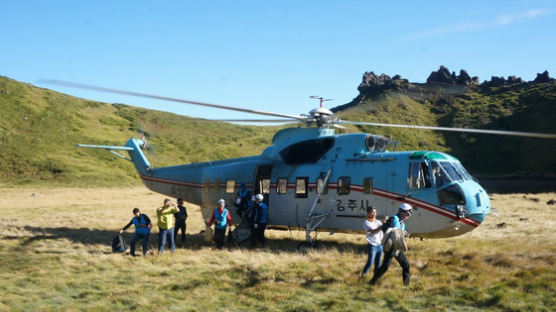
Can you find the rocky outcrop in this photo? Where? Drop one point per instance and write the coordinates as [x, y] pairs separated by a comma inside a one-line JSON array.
[[543, 78], [372, 83], [500, 81], [443, 76]]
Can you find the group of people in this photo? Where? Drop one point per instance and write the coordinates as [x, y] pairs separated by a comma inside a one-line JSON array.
[[171, 219], [375, 232], [251, 209]]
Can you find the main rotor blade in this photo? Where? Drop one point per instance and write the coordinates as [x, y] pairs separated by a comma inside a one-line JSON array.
[[500, 132], [255, 120], [158, 97]]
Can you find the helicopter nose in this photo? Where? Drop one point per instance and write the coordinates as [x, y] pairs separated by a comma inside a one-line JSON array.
[[478, 203]]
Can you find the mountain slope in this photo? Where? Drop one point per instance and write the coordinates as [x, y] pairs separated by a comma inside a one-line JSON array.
[[527, 107], [39, 128]]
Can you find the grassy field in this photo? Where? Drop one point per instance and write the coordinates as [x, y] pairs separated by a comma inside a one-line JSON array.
[[55, 255]]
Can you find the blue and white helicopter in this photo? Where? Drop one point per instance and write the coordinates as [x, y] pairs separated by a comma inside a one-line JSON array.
[[315, 179]]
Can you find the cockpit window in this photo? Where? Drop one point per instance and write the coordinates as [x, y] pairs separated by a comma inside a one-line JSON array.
[[464, 172], [419, 175], [440, 177], [451, 170], [445, 172]]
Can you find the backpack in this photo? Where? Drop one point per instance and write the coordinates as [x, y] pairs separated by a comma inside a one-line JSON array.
[[388, 224], [118, 244]]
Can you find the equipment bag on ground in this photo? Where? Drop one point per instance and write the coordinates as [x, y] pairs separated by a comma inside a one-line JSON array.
[[118, 244]]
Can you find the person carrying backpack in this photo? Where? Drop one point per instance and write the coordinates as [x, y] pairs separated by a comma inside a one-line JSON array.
[[143, 227], [243, 199], [396, 221]]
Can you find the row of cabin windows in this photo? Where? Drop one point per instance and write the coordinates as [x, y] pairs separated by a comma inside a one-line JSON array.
[[230, 185], [301, 186]]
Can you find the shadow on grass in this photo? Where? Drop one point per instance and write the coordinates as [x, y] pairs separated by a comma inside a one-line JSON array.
[[196, 241]]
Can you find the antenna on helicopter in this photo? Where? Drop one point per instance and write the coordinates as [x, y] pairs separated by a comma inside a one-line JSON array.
[[320, 98]]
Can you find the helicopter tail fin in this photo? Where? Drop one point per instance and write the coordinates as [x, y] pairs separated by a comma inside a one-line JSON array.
[[133, 147]]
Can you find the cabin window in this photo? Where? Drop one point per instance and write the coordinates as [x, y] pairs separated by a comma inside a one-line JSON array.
[[207, 186], [265, 186], [343, 185], [368, 185], [217, 185], [301, 187], [320, 181], [282, 186], [230, 186]]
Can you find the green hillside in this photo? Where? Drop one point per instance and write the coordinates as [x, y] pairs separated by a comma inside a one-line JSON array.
[[527, 107], [39, 128]]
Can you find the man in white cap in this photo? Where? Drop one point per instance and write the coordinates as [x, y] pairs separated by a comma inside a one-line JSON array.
[[221, 218], [260, 220], [396, 221]]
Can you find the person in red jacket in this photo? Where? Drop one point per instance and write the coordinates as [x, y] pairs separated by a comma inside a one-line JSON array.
[[221, 218]]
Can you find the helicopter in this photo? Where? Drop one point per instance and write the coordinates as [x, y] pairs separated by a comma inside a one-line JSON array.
[[315, 179]]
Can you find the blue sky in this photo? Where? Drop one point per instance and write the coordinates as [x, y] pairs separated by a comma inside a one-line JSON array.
[[267, 55]]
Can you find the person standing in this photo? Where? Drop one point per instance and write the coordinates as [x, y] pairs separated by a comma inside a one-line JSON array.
[[396, 221], [221, 218], [260, 220], [373, 231], [181, 217], [143, 227], [165, 216], [243, 197]]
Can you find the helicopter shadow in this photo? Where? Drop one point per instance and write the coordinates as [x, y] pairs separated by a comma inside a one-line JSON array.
[[292, 245], [95, 237], [194, 241]]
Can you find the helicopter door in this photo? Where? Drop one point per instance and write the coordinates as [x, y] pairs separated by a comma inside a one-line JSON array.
[[262, 181]]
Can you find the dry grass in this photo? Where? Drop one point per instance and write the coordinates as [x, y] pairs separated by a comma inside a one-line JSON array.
[[55, 246]]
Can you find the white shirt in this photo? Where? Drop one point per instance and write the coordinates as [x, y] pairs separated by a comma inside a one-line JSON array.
[[376, 238]]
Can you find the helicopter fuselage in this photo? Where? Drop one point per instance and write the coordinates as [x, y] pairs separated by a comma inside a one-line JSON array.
[[310, 172]]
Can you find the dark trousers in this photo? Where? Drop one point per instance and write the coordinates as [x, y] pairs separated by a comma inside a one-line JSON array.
[[219, 236], [402, 260], [180, 225], [257, 234], [136, 237]]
